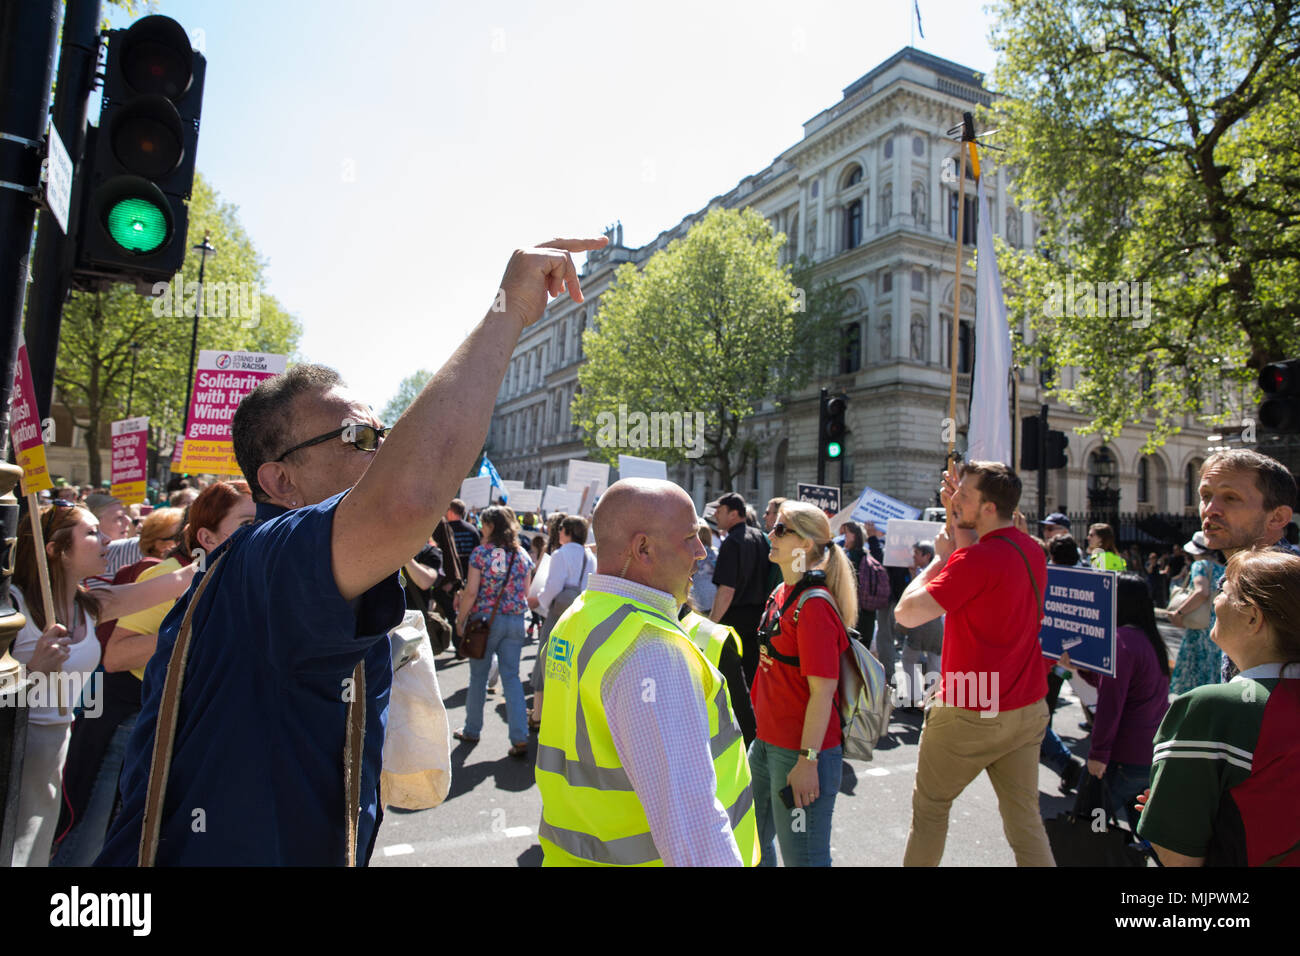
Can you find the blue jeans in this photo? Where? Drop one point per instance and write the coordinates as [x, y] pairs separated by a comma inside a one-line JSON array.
[[86, 836], [1053, 753], [1124, 782], [506, 641], [805, 836]]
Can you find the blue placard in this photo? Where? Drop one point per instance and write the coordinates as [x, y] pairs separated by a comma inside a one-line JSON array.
[[1079, 618]]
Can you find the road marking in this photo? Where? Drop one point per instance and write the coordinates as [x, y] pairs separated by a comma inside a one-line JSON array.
[[398, 849], [878, 771], [517, 831]]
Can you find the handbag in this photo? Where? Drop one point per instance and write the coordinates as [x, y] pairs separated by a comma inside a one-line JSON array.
[[416, 771], [473, 643], [1197, 620], [1085, 837]]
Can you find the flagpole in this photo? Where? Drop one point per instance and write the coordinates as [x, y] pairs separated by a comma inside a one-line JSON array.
[[956, 301]]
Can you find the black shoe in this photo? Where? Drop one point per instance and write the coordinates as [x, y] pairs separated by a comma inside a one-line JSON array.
[[1070, 777]]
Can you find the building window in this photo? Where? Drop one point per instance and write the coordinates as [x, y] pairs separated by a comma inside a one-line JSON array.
[[1144, 481], [816, 188], [918, 280], [562, 347], [853, 225], [918, 146], [965, 349], [854, 177], [1192, 484], [889, 147], [886, 281], [969, 223], [850, 348]]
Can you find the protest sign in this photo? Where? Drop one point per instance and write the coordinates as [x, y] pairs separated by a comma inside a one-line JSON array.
[[476, 492], [221, 381], [560, 499], [1079, 618], [510, 487], [582, 473], [525, 500], [130, 459], [25, 429], [825, 497], [902, 535], [630, 466], [879, 509]]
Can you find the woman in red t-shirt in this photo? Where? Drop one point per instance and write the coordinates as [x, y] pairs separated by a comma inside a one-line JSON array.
[[798, 743]]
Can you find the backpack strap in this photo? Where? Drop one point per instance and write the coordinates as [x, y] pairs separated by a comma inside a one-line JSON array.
[[821, 592], [1032, 580], [165, 729]]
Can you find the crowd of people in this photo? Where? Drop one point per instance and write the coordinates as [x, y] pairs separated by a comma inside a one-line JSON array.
[[686, 697]]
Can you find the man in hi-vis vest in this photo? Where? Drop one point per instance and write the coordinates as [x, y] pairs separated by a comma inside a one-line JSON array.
[[640, 761]]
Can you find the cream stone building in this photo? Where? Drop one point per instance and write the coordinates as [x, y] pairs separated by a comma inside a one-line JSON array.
[[866, 195]]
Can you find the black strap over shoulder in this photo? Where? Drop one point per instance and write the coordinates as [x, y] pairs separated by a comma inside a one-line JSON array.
[[1032, 580], [772, 625]]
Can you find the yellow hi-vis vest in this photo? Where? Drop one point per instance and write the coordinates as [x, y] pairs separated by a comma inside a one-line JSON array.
[[590, 814], [709, 636]]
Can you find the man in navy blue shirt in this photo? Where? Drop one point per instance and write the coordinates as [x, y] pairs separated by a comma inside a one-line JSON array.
[[300, 598]]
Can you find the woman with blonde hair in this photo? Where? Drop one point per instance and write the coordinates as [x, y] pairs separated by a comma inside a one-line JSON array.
[[796, 758]]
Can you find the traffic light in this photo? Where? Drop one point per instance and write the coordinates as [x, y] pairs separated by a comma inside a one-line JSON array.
[[1030, 454], [139, 163], [1280, 409], [835, 428]]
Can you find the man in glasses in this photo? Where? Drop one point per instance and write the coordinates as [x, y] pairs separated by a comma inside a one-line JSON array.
[[290, 626]]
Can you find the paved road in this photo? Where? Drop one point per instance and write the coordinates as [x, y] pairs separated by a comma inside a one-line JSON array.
[[490, 817]]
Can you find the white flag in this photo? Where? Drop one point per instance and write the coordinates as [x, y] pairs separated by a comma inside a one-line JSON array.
[[990, 416]]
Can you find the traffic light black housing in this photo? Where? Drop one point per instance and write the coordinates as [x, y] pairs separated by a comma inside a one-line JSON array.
[[1030, 453], [835, 428], [139, 165], [1280, 409]]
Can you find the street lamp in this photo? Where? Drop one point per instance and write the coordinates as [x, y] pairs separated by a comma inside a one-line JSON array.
[[203, 249], [130, 395]]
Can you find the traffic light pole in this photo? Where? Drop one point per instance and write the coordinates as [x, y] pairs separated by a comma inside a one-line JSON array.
[[1042, 463], [821, 437], [28, 37], [52, 264], [203, 251]]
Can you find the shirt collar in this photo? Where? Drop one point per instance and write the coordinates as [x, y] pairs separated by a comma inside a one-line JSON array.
[[661, 601], [1269, 671], [266, 511]]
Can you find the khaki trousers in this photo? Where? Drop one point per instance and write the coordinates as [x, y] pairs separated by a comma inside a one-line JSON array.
[[956, 745]]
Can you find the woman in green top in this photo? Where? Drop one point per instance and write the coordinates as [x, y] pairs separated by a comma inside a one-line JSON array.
[[1101, 549]]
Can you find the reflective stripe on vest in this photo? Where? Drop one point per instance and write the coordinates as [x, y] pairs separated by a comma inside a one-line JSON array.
[[590, 813], [709, 636]]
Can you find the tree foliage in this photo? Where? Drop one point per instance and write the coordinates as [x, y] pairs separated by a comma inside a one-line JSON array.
[[407, 391], [711, 326], [93, 374], [1155, 142]]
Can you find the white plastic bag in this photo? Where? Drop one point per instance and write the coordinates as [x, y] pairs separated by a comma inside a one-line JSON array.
[[417, 748]]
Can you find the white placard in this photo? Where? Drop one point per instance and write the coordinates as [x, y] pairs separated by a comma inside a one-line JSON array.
[[901, 535], [525, 500], [560, 499], [582, 473], [510, 487], [630, 466], [877, 508], [476, 492]]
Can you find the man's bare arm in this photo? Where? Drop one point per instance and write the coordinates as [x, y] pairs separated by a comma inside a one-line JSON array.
[[419, 468], [721, 602]]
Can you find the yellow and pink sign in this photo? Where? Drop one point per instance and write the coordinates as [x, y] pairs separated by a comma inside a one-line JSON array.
[[220, 383], [25, 427], [130, 459]]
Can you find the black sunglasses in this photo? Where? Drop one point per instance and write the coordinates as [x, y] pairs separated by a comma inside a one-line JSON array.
[[364, 437], [779, 530]]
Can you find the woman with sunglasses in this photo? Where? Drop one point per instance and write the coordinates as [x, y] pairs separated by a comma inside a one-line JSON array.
[[98, 747], [798, 748], [60, 655], [497, 586], [1226, 759]]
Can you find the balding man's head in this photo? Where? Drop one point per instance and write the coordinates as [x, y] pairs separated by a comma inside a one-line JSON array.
[[646, 530]]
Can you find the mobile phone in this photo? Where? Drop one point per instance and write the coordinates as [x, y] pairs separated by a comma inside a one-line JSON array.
[[787, 797]]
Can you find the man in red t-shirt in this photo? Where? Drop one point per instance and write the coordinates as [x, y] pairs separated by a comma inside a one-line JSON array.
[[989, 713]]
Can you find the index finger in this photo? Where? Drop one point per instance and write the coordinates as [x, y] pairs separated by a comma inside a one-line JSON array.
[[575, 245]]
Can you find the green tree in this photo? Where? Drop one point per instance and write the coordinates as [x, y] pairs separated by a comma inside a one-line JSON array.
[[407, 391], [712, 325], [1155, 142], [94, 363]]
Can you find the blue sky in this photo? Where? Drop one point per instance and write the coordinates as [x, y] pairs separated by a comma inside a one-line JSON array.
[[386, 157]]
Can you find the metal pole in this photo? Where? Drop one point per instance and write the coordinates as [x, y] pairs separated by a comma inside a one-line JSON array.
[[29, 32], [203, 251], [52, 263], [1042, 462]]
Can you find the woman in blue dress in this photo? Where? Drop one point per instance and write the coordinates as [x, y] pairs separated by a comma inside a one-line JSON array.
[[1199, 657]]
